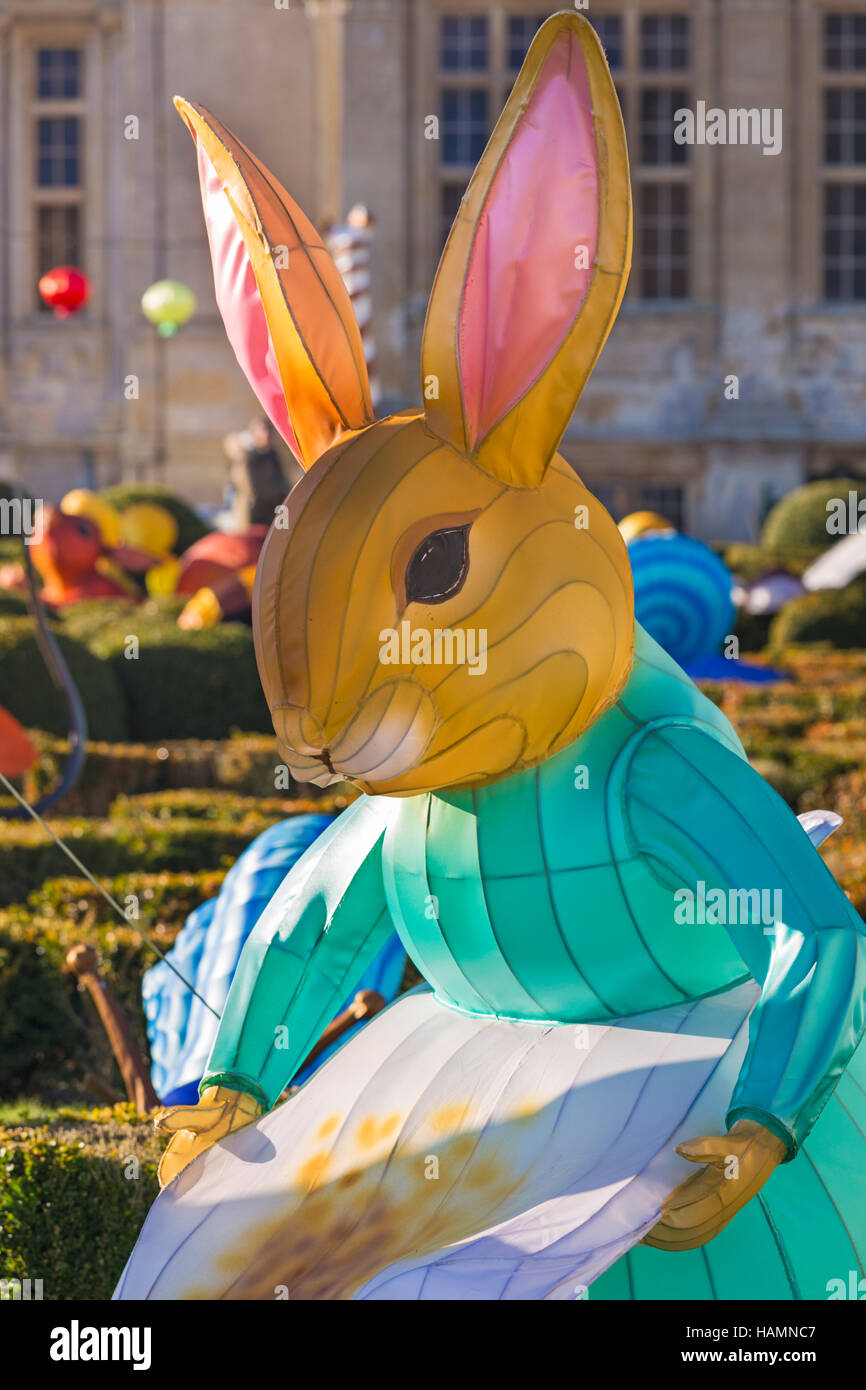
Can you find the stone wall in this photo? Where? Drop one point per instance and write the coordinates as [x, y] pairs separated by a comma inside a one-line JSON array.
[[331, 95]]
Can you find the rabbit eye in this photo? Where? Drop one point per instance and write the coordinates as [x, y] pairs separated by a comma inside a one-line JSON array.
[[438, 567]]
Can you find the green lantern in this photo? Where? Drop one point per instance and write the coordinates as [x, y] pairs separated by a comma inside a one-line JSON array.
[[168, 305]]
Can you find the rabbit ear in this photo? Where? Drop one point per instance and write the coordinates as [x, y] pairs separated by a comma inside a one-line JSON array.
[[536, 263], [287, 313]]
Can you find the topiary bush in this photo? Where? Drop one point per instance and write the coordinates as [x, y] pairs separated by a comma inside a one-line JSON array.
[[50, 1031], [800, 519], [748, 562], [180, 684], [40, 1032], [837, 616], [209, 804], [10, 546], [12, 603], [71, 1208], [752, 630], [190, 527], [87, 620], [108, 848], [243, 764], [165, 900], [28, 692]]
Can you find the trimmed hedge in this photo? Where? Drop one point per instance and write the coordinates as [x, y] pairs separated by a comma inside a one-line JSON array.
[[837, 616], [800, 519], [752, 630], [165, 900], [244, 764], [190, 527], [750, 561], [92, 618], [213, 805], [12, 603], [71, 1207], [28, 692], [109, 849], [181, 684], [43, 1037], [50, 1034]]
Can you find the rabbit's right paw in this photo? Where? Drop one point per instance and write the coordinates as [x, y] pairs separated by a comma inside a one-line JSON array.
[[193, 1128]]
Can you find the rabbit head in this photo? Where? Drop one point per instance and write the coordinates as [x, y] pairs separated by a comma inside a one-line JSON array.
[[441, 602]]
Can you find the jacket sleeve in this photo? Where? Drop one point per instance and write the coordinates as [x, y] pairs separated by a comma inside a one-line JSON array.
[[319, 933], [699, 812]]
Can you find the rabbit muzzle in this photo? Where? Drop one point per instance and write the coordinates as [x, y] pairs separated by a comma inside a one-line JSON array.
[[386, 738]]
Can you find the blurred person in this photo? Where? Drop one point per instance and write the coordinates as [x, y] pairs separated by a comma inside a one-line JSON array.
[[257, 480]]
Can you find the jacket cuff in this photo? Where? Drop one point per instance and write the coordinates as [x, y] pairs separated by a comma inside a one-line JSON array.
[[770, 1122], [235, 1082]]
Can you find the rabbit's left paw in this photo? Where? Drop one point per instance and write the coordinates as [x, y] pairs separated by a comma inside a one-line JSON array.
[[737, 1166]]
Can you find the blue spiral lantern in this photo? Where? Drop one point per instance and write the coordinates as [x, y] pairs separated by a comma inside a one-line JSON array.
[[682, 595]]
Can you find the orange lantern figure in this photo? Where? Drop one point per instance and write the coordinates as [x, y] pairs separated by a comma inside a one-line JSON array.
[[65, 289], [17, 751]]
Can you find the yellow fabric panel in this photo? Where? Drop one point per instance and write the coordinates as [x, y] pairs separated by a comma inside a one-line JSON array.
[[312, 324]]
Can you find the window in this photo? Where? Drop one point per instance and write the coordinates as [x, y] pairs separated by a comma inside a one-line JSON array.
[[464, 125], [667, 499], [650, 55], [58, 73], [845, 126], [657, 144], [609, 495], [609, 30], [58, 152], [664, 241], [58, 235], [845, 42], [521, 31], [660, 167], [58, 159], [664, 42], [845, 241], [463, 43], [844, 159]]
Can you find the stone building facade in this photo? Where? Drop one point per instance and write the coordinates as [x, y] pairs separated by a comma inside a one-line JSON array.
[[736, 370]]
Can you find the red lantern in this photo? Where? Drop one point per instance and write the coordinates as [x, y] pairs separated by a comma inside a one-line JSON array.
[[65, 289]]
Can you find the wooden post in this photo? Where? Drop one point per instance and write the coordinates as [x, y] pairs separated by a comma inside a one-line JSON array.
[[366, 1004], [83, 962]]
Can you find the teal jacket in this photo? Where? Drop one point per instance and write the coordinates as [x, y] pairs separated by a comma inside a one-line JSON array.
[[644, 865]]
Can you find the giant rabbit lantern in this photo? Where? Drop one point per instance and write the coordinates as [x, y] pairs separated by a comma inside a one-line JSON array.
[[533, 829]]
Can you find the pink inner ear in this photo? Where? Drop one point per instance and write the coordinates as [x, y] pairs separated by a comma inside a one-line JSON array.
[[239, 301], [523, 289]]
